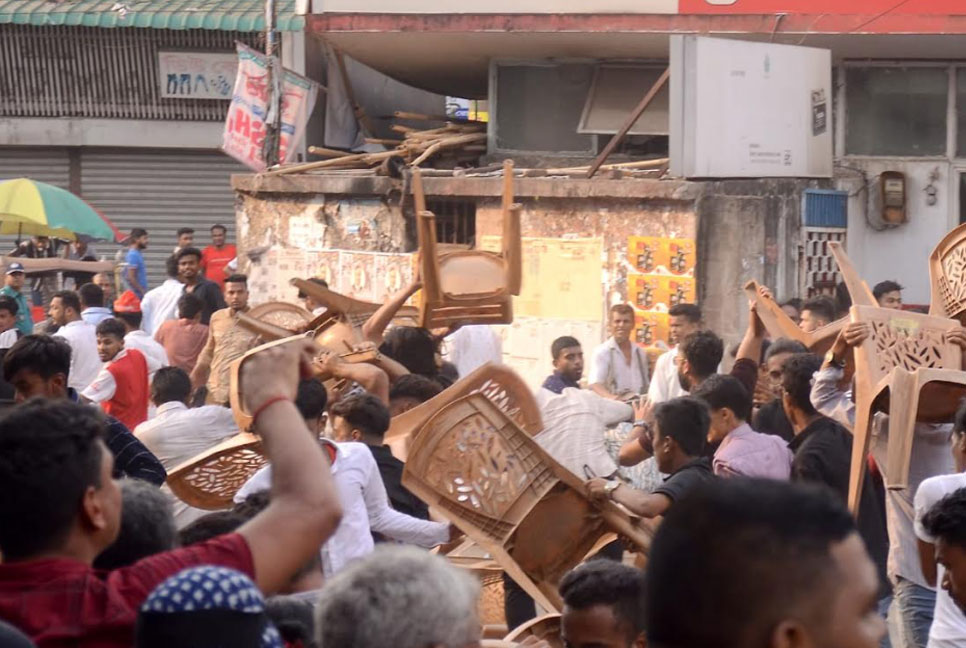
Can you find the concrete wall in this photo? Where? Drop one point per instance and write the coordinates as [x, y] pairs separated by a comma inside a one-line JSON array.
[[901, 252], [745, 230]]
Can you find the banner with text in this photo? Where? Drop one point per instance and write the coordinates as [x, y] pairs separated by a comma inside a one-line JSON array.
[[245, 126]]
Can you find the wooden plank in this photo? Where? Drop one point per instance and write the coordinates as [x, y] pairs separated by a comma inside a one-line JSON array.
[[633, 117]]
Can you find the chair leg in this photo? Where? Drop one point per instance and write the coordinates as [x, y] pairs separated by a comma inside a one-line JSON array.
[[860, 450], [903, 403], [428, 264], [512, 249]]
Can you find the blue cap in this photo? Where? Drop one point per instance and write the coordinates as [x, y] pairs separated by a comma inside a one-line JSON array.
[[14, 267]]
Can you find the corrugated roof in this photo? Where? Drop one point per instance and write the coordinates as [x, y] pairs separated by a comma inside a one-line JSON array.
[[226, 15]]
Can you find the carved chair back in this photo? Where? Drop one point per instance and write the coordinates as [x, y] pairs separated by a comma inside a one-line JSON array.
[[947, 276], [504, 387], [903, 339], [494, 482], [210, 480]]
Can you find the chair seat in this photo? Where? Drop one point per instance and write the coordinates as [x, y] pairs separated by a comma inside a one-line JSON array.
[[471, 274]]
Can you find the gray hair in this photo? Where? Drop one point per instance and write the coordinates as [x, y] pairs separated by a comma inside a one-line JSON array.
[[398, 596], [147, 525]]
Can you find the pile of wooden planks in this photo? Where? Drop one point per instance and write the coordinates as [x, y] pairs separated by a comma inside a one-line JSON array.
[[457, 142]]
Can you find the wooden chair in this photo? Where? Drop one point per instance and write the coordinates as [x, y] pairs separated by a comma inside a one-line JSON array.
[[210, 480], [545, 627], [780, 325], [947, 276], [908, 369], [503, 386], [487, 476], [468, 286], [236, 387], [341, 325]]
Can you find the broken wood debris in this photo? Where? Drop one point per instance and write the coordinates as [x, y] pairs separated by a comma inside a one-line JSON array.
[[458, 141]]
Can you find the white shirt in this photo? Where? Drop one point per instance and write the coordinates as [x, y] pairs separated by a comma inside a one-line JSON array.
[[151, 348], [574, 423], [365, 508], [471, 347], [664, 381], [160, 304], [8, 338], [96, 314], [948, 628], [612, 371], [178, 434], [103, 386], [84, 361]]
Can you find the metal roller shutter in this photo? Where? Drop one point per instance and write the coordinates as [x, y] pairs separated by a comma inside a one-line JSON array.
[[50, 165], [161, 191]]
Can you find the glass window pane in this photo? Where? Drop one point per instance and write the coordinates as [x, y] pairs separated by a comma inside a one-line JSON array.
[[896, 111], [539, 107]]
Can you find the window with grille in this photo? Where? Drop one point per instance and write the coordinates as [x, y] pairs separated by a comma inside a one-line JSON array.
[[455, 220]]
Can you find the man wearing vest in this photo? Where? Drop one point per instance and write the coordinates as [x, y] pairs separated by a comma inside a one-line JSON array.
[[620, 366], [121, 387]]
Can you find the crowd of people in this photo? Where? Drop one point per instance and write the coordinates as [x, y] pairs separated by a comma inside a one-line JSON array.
[[744, 456]]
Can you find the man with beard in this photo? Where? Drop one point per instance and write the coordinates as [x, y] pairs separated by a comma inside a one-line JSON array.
[[189, 272], [227, 341], [620, 366], [136, 272]]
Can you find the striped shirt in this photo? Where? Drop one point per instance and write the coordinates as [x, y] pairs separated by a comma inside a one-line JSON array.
[[131, 458]]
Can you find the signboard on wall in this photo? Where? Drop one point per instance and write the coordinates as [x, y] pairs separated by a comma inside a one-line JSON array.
[[245, 125], [749, 110], [197, 75]]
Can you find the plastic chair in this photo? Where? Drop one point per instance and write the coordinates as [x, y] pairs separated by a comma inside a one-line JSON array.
[[503, 386], [468, 286], [545, 627], [210, 480], [908, 369], [780, 325], [487, 476], [947, 276]]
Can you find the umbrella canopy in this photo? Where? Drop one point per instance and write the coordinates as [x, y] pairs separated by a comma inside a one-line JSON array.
[[40, 209]]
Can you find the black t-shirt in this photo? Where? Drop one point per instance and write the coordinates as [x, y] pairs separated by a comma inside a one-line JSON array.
[[771, 419], [696, 472], [391, 470], [823, 455]]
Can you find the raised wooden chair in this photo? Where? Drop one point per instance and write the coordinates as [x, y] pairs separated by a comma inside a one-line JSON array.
[[210, 480], [487, 476], [545, 627], [468, 286], [780, 325], [908, 369], [340, 327], [947, 276], [503, 386]]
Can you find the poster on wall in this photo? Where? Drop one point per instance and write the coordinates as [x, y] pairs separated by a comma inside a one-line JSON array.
[[658, 255], [245, 125], [662, 277], [653, 292], [558, 274]]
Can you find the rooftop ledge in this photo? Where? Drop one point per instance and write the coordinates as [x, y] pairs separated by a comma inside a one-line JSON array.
[[546, 187]]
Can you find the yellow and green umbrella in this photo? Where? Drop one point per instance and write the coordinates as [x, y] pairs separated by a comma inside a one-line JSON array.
[[39, 209]]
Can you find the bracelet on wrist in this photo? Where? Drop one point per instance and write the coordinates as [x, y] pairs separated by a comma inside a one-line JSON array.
[[268, 403]]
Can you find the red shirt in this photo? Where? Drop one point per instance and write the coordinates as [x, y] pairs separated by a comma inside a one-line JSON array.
[[129, 405], [213, 262], [59, 602]]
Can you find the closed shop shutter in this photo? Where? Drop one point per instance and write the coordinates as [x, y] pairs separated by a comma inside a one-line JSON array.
[[161, 191], [50, 165]]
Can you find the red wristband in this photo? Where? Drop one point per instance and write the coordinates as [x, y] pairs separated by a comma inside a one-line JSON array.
[[264, 406]]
